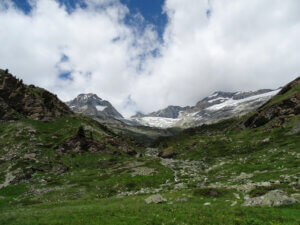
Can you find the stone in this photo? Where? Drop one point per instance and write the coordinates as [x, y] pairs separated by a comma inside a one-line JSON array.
[[143, 171], [233, 203], [181, 200], [272, 198], [243, 176], [266, 140], [236, 195], [30, 156], [157, 198], [295, 195], [207, 203]]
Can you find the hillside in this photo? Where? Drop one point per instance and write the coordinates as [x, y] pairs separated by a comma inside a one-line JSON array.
[[18, 100], [74, 170]]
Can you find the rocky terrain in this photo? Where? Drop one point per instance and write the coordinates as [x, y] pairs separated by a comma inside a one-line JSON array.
[[18, 100], [72, 169], [218, 106]]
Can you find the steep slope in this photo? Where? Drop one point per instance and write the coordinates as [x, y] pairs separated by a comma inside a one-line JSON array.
[[91, 104], [19, 100], [283, 106], [218, 106]]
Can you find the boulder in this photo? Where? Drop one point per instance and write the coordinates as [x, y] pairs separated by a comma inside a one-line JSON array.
[[155, 199], [272, 198]]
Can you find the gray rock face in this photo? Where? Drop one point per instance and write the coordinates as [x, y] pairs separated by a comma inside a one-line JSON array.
[[272, 198], [91, 105], [155, 199], [169, 112], [220, 105]]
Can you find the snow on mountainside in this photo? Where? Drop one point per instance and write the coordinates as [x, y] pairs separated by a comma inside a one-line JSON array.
[[91, 104], [219, 105]]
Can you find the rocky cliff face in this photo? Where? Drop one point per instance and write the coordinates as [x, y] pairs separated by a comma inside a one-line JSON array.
[[91, 105], [219, 105], [169, 112], [18, 99], [286, 104]]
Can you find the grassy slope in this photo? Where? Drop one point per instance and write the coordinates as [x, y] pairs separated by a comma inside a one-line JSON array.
[[89, 191]]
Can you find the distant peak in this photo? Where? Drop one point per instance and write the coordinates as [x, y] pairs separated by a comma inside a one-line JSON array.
[[88, 96]]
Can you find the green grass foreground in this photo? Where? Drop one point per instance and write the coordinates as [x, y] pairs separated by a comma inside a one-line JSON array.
[[134, 210]]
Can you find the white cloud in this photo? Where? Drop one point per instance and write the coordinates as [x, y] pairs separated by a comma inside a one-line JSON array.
[[244, 45]]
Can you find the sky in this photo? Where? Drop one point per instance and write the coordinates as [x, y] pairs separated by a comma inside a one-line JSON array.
[[143, 55]]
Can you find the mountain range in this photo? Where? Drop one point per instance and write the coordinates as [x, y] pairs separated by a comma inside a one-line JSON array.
[[220, 105]]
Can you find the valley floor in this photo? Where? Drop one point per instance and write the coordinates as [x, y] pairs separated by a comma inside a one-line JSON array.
[[193, 192]]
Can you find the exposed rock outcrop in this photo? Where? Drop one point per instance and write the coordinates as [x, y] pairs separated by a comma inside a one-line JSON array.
[[280, 111], [272, 198], [18, 99], [80, 143]]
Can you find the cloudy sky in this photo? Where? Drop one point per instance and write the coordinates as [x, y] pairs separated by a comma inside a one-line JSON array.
[[143, 55]]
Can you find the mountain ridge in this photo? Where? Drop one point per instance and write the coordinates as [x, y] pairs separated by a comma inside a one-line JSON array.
[[219, 105], [18, 100]]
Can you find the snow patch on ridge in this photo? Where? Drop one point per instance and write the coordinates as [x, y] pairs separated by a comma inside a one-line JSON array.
[[233, 103], [100, 107], [160, 122]]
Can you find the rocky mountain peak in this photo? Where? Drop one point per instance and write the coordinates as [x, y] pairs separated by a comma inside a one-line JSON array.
[[92, 105]]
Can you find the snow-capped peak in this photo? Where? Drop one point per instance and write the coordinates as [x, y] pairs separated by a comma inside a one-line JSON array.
[[90, 104]]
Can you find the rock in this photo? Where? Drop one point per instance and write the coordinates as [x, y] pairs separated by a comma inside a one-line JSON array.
[[207, 203], [139, 155], [81, 144], [272, 198], [233, 203], [243, 176], [266, 140], [296, 128], [155, 199], [167, 153], [144, 171], [2, 197], [296, 196], [30, 156], [236, 195], [181, 200]]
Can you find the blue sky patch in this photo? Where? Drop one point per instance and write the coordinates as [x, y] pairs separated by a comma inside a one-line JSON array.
[[151, 10], [23, 5], [66, 75]]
